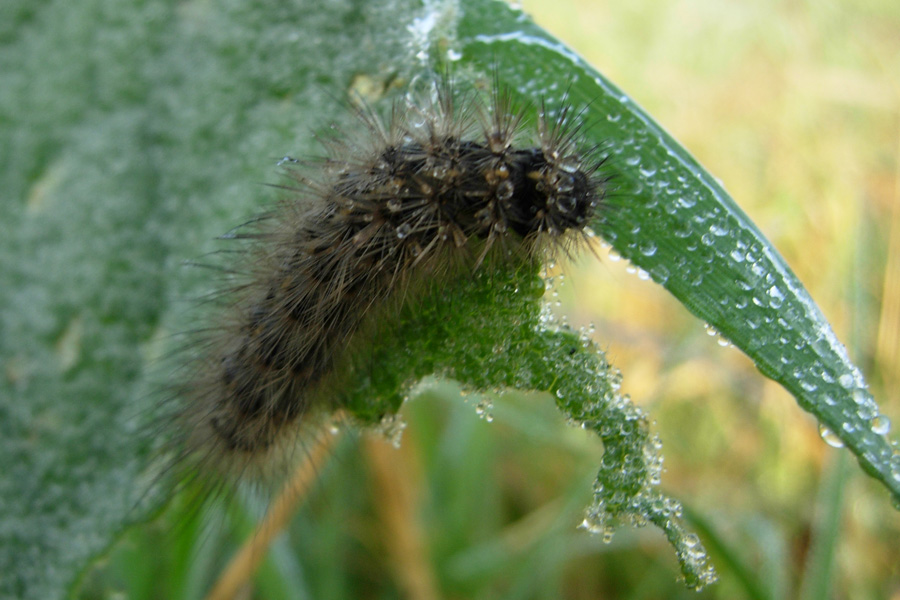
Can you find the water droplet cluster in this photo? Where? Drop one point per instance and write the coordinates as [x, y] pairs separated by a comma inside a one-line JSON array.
[[517, 344], [626, 489]]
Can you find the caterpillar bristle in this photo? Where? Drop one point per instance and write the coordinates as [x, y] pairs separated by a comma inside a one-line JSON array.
[[439, 185]]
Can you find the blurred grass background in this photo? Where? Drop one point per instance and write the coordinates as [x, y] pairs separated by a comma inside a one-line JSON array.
[[795, 106]]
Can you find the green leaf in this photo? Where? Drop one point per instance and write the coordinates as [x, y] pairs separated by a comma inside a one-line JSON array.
[[132, 133], [489, 332], [675, 221]]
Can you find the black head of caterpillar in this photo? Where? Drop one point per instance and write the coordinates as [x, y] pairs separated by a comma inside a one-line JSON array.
[[448, 179]]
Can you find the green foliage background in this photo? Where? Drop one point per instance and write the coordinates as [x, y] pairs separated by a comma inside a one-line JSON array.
[[130, 134]]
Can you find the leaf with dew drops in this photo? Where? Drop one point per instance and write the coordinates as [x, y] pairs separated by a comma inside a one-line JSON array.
[[676, 223]]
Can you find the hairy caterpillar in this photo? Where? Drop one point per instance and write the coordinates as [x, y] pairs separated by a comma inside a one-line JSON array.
[[445, 182]]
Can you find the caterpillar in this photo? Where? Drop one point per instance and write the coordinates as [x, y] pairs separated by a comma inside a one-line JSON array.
[[450, 180]]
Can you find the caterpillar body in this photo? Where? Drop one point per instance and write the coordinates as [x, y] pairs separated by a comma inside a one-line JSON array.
[[453, 178]]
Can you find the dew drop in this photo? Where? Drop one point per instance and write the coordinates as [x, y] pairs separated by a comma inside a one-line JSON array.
[[505, 190], [484, 409], [660, 274], [648, 249], [607, 535], [881, 425], [860, 397], [391, 427], [867, 411], [719, 230], [808, 386], [829, 437], [687, 201], [776, 297]]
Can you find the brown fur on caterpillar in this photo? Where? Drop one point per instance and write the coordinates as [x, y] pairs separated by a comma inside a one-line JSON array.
[[448, 179]]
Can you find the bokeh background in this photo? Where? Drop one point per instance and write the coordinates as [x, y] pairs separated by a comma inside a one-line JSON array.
[[795, 106]]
